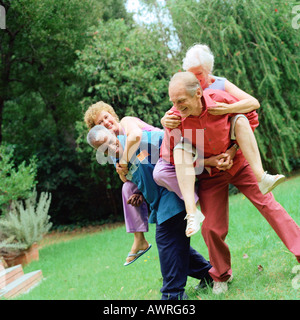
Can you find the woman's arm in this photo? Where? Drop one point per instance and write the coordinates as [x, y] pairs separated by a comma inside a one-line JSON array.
[[133, 140], [246, 104]]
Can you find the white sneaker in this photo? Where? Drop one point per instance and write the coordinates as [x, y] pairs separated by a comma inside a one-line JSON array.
[[221, 287], [193, 222], [269, 182]]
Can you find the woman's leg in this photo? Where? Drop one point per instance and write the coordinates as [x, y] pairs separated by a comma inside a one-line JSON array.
[[136, 219], [164, 175], [242, 132], [186, 179], [247, 142]]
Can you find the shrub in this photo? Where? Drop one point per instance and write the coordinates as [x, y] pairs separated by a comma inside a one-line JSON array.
[[16, 182], [26, 223]]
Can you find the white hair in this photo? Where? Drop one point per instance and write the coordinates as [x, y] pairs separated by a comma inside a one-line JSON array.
[[199, 55], [98, 134]]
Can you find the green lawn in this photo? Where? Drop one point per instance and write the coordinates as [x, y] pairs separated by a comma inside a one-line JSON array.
[[91, 267]]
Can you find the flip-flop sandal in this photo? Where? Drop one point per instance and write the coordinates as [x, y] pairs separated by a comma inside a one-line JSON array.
[[137, 255]]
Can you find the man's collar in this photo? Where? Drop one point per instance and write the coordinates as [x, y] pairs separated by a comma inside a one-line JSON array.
[[207, 101]]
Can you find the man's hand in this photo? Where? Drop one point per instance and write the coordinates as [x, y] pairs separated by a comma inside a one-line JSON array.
[[222, 161], [135, 200], [225, 163], [215, 161], [170, 120]]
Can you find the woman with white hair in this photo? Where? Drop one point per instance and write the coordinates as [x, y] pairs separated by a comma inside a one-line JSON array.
[[200, 61]]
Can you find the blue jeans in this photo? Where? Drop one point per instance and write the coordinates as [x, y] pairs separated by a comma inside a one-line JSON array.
[[178, 259]]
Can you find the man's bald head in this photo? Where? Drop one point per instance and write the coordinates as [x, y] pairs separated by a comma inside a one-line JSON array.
[[188, 80]]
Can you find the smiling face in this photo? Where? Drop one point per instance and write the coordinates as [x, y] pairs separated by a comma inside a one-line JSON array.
[[201, 74], [185, 103], [109, 145], [105, 119]]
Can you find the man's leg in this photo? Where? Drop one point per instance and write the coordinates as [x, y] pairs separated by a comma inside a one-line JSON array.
[[285, 227], [173, 248], [213, 197], [198, 265], [177, 258]]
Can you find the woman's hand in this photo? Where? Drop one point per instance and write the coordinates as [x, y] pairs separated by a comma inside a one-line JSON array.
[[221, 108], [170, 120], [123, 177], [122, 168]]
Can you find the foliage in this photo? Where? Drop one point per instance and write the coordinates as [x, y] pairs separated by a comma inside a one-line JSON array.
[[257, 49], [16, 182], [40, 94], [127, 68], [26, 223]]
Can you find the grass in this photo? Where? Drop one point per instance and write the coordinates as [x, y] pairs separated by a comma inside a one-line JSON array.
[[90, 267]]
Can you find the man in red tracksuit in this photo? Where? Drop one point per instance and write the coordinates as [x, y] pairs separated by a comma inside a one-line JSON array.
[[214, 186]]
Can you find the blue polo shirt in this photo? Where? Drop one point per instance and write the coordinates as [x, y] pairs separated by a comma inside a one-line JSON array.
[[163, 204]]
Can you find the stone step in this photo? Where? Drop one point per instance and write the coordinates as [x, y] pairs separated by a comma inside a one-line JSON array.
[[9, 275], [21, 285]]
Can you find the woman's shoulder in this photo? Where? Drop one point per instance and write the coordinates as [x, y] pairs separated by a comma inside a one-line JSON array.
[[219, 83]]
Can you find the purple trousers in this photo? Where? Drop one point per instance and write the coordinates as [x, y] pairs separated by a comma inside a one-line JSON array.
[[136, 218], [164, 175]]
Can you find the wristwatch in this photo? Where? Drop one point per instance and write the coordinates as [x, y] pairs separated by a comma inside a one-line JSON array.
[[236, 147]]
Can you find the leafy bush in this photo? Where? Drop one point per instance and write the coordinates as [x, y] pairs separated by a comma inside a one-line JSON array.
[[26, 223], [16, 182]]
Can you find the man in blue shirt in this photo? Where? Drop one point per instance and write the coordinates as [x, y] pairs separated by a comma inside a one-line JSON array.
[[177, 258]]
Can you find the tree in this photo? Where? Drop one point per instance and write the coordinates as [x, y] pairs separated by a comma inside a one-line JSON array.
[[38, 51]]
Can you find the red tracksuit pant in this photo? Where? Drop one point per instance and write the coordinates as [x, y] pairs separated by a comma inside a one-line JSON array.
[[213, 196]]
